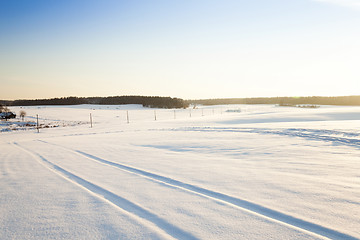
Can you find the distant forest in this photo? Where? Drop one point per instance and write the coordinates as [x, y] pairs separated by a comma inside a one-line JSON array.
[[153, 102], [168, 102], [343, 101]]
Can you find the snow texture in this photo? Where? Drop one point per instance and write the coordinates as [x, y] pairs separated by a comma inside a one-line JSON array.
[[211, 172]]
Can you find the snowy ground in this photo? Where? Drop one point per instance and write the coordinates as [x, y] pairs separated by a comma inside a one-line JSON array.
[[219, 172]]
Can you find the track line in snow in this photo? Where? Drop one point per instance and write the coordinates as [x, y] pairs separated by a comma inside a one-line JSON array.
[[259, 210], [122, 203]]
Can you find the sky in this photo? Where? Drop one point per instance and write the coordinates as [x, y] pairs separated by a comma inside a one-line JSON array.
[[192, 49]]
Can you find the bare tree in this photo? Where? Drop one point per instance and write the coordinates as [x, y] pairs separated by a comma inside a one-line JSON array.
[[22, 114], [4, 109]]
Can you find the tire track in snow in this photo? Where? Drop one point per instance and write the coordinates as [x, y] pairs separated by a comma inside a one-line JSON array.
[[259, 210], [124, 204]]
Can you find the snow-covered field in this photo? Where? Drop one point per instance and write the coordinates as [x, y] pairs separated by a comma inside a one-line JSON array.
[[219, 172]]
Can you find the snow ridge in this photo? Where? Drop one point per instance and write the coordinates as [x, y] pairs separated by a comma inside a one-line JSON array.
[[336, 137]]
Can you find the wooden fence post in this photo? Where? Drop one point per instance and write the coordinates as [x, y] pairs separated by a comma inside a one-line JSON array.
[[37, 122]]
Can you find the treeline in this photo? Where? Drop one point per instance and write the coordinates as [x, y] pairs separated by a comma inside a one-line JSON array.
[[343, 101], [168, 102], [146, 101]]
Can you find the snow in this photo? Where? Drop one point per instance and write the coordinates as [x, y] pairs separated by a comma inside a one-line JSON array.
[[214, 172]]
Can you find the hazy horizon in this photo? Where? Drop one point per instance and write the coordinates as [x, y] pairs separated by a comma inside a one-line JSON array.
[[186, 99], [185, 49]]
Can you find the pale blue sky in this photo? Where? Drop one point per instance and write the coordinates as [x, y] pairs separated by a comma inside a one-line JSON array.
[[179, 48]]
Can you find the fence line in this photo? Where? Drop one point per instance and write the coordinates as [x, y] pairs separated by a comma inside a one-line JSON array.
[[136, 115]]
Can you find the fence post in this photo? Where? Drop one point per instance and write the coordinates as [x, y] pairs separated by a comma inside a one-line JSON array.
[[37, 122], [190, 112], [174, 114], [155, 114], [91, 125], [127, 116]]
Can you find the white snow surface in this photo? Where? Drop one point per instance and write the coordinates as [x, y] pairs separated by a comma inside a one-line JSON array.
[[214, 172]]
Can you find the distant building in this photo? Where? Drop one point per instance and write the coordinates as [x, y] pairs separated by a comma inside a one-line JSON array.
[[7, 115]]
